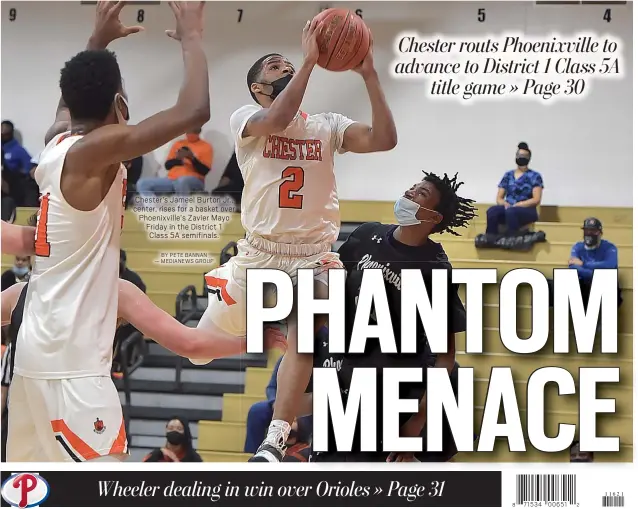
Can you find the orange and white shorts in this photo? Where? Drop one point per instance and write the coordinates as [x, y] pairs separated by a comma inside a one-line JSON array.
[[75, 419], [227, 284]]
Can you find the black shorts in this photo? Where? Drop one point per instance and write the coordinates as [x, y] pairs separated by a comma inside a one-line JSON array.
[[448, 452]]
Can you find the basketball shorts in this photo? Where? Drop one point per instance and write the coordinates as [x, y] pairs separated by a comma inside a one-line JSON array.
[[76, 419], [227, 284]]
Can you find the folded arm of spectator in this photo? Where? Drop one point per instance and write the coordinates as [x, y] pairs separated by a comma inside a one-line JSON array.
[[609, 262]]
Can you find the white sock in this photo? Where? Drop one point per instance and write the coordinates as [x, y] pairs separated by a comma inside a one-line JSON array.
[[278, 432]]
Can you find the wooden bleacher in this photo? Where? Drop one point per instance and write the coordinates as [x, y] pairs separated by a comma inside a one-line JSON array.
[[223, 440]]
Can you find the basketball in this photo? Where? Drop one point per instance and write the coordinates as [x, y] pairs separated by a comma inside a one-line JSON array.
[[344, 40]]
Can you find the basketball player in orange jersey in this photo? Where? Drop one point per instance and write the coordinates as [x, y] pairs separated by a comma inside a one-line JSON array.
[[17, 240], [62, 381], [290, 208]]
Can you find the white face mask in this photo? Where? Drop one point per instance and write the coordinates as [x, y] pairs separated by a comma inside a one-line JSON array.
[[118, 112], [405, 211]]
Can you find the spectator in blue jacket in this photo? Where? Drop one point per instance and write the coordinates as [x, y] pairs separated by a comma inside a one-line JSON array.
[[260, 415], [592, 253], [519, 193], [16, 169]]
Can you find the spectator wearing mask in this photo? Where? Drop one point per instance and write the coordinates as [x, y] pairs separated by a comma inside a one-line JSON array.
[[16, 169], [592, 253], [179, 444], [519, 193], [188, 163], [19, 273], [8, 205]]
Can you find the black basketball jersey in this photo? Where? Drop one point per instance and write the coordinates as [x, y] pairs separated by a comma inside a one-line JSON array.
[[373, 246]]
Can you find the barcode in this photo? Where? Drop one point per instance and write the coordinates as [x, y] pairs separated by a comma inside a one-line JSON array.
[[614, 500], [546, 488]]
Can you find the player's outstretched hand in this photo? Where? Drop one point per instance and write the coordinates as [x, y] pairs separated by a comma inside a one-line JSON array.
[[108, 26], [309, 43], [367, 66], [190, 19]]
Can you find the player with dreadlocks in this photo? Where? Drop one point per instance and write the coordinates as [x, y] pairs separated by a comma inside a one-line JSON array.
[[430, 206]]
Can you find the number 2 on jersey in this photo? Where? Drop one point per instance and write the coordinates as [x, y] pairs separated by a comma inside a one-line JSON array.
[[42, 246], [289, 189]]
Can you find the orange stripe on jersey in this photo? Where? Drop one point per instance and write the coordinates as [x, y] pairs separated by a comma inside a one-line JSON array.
[[119, 445], [65, 136], [80, 446], [216, 282]]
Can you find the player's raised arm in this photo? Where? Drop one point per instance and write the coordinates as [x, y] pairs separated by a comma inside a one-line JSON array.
[[382, 135], [278, 114], [107, 29], [18, 240], [114, 143]]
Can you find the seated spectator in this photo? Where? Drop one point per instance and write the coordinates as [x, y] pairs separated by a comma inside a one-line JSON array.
[[231, 183], [20, 272], [129, 275], [179, 444], [8, 205], [578, 456], [16, 169], [519, 193], [592, 253], [260, 415], [125, 330], [133, 173], [188, 163]]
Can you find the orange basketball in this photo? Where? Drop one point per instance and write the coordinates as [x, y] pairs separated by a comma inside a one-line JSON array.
[[344, 40]]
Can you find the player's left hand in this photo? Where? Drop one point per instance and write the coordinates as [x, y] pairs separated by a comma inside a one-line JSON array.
[[575, 261], [108, 26], [367, 66]]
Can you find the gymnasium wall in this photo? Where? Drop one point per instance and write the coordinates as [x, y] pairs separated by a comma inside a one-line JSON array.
[[583, 148]]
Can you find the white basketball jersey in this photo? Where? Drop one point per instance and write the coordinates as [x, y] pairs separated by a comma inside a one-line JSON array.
[[290, 191], [71, 304]]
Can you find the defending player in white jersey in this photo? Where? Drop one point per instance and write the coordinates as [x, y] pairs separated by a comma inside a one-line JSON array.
[[62, 388], [290, 209]]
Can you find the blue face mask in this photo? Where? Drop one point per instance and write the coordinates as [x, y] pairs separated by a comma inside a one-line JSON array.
[[405, 211], [20, 271]]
